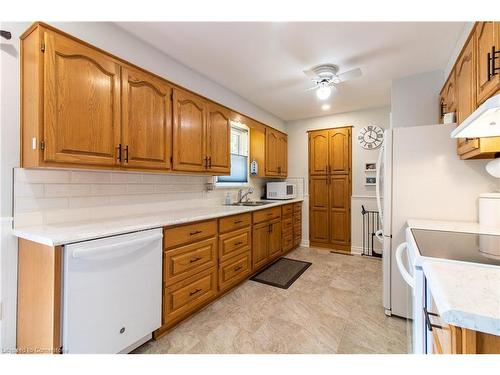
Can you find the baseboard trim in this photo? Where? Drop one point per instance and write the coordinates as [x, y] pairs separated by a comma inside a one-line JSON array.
[[356, 250]]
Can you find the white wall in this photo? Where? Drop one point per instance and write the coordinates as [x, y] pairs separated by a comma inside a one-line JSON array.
[[298, 161], [415, 99], [117, 41]]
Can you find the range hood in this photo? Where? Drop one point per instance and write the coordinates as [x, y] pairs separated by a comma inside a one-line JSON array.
[[483, 122]]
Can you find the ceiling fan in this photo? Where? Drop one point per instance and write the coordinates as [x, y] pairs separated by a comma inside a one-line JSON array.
[[325, 77]]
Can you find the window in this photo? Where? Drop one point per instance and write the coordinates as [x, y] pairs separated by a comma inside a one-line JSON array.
[[239, 157]]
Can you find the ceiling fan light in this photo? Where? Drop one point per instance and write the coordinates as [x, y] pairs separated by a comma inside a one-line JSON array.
[[323, 92], [325, 107]]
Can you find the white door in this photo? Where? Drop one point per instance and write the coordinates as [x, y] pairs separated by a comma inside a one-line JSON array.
[[112, 292]]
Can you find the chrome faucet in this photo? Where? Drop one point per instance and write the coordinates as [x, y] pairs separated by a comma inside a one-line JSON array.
[[242, 196]]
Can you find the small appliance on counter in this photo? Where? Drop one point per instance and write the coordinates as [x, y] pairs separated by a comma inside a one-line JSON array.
[[281, 190]]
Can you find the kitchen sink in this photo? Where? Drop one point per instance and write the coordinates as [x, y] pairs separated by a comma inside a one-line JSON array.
[[251, 203]]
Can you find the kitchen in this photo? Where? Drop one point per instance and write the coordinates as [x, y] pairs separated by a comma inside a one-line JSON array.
[[149, 206]]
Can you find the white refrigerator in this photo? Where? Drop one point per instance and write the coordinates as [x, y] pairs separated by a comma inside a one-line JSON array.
[[420, 176]]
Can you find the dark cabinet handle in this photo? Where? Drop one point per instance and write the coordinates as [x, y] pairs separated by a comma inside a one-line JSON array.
[[270, 214], [194, 292], [237, 268], [430, 326], [126, 154], [194, 259], [443, 107], [238, 221], [206, 161], [119, 148], [492, 69], [195, 232], [270, 229], [238, 243], [209, 162]]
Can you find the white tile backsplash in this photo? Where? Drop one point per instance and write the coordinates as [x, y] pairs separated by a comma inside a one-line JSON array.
[[51, 196], [67, 190]]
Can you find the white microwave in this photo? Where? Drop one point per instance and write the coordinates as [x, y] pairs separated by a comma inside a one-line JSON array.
[[281, 190]]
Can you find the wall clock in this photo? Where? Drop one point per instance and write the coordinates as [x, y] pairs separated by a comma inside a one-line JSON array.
[[370, 137]]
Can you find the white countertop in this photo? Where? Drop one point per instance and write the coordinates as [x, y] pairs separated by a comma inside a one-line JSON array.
[[65, 233], [466, 295]]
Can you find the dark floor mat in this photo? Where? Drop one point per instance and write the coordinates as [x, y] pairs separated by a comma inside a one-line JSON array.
[[282, 273]]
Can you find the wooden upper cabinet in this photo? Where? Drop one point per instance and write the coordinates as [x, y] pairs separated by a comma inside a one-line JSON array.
[[486, 36], [282, 155], [189, 112], [271, 152], [146, 120], [339, 150], [448, 102], [218, 141], [81, 103], [318, 152], [466, 91]]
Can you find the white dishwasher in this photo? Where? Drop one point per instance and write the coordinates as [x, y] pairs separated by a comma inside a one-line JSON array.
[[112, 291]]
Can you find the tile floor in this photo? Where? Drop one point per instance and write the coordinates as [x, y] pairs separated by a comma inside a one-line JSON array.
[[334, 307]]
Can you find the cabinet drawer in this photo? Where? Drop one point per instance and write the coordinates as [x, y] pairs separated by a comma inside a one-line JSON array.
[[297, 220], [297, 207], [187, 295], [287, 210], [234, 243], [268, 214], [287, 224], [182, 262], [287, 242], [189, 233], [234, 270], [230, 223]]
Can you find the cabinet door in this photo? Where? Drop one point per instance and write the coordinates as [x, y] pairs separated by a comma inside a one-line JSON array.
[[318, 209], [271, 152], [188, 149], [339, 210], [318, 152], [485, 38], [218, 139], [282, 155], [81, 103], [339, 151], [146, 126], [448, 95], [260, 240], [275, 244], [465, 91]]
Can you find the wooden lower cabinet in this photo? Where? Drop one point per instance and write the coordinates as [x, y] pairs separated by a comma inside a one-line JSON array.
[[297, 224], [188, 260], [275, 238], [456, 340], [260, 239], [234, 270], [182, 298]]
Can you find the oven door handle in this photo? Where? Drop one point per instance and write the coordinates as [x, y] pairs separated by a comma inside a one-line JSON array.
[[402, 269]]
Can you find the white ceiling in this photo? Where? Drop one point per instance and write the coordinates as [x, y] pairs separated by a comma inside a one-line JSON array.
[[263, 61]]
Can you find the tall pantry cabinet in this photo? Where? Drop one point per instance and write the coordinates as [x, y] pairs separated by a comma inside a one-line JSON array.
[[330, 178]]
